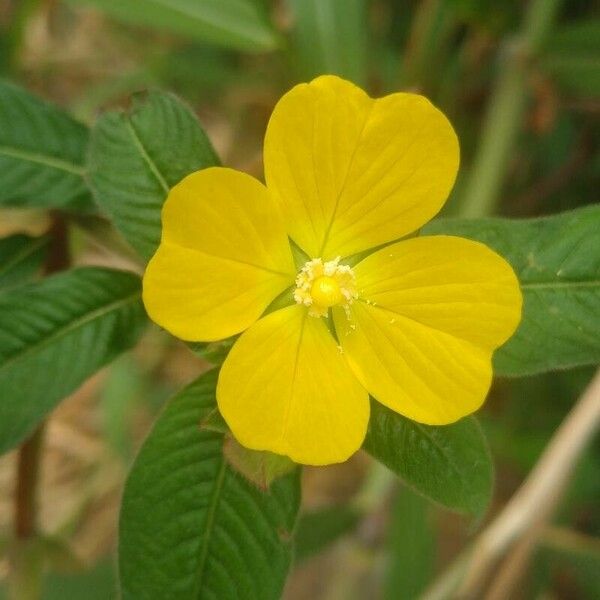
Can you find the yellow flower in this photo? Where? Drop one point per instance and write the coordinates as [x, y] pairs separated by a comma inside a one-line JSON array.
[[414, 323]]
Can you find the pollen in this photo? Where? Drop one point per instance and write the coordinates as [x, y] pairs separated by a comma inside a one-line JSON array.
[[321, 285]]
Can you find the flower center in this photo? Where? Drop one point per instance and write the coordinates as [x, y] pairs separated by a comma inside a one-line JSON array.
[[320, 285], [325, 291]]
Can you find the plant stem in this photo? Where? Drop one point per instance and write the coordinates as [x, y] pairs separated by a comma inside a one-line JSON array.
[[26, 563], [522, 520], [505, 111], [26, 556], [28, 467], [58, 258], [566, 540]]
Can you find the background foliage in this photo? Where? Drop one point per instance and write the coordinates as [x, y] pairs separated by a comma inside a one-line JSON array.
[[87, 156]]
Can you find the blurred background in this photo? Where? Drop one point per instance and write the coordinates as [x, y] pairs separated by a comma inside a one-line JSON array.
[[521, 83]]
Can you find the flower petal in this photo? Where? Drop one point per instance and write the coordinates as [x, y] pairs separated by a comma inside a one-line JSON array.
[[285, 387], [431, 312], [351, 172], [224, 256]]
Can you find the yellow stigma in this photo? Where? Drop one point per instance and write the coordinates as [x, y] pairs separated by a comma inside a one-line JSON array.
[[320, 285], [326, 292]]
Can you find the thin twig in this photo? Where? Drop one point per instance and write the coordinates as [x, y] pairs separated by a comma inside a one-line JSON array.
[[514, 565], [563, 539], [532, 505], [537, 498]]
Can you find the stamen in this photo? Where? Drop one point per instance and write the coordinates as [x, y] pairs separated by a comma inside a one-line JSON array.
[[321, 285]]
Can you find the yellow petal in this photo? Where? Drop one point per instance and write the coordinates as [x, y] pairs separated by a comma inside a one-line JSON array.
[[431, 312], [224, 256], [285, 387], [351, 172]]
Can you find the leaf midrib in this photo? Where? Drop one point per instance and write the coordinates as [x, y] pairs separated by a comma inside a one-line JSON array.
[[137, 141], [43, 159], [72, 326], [549, 285], [210, 524]]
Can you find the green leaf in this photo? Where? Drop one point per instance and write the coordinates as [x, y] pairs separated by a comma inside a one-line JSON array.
[[449, 464], [55, 334], [193, 528], [137, 155], [231, 23], [557, 260], [319, 528], [21, 257], [42, 153], [411, 547], [330, 36]]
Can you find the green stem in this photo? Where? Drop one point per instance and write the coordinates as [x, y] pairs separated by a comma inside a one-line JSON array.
[[505, 111]]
